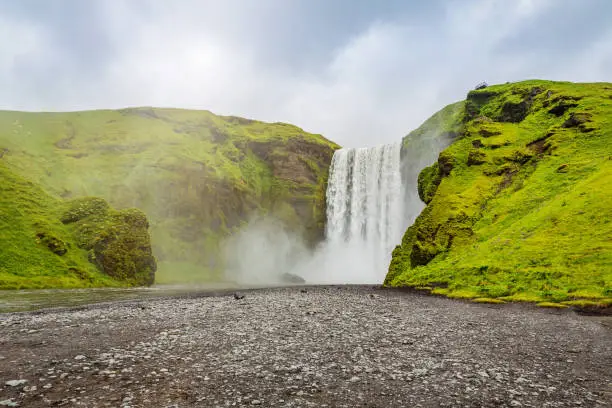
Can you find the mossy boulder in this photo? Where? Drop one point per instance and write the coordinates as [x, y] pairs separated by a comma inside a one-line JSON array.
[[46, 242], [429, 180], [446, 162], [123, 249], [523, 212], [118, 241]]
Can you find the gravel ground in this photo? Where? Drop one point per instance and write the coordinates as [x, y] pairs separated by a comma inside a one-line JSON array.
[[305, 347]]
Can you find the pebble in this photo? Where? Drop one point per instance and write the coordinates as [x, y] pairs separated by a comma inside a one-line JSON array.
[[297, 349], [15, 383]]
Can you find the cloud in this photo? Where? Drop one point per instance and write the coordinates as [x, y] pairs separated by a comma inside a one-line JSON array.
[[359, 72]]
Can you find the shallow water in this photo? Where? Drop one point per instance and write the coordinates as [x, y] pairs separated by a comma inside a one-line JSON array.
[[28, 300]]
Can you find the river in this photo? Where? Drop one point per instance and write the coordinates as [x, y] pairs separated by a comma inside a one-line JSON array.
[[29, 300]]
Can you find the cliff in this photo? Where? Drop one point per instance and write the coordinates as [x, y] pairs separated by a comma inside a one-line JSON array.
[[519, 205], [198, 176]]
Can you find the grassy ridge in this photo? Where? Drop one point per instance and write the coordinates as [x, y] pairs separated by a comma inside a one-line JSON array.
[[196, 175], [519, 206]]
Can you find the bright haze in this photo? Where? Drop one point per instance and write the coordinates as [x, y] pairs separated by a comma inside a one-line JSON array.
[[360, 72]]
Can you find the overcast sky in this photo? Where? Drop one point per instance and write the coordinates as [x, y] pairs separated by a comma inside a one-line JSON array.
[[361, 72]]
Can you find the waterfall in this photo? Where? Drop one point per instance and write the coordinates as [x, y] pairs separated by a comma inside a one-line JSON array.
[[371, 199], [365, 217]]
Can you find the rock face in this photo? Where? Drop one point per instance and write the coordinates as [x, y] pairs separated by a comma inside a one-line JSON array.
[[49, 242], [197, 176], [517, 206], [120, 245]]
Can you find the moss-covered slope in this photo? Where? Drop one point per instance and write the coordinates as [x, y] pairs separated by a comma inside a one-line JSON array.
[[520, 205], [196, 175], [48, 242]]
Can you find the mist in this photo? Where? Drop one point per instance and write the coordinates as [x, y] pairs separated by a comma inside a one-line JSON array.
[[263, 252], [267, 252]]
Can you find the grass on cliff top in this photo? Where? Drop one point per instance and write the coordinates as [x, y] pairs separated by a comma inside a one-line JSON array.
[[29, 228], [530, 218]]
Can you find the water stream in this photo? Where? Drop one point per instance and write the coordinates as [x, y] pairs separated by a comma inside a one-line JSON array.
[[364, 203]]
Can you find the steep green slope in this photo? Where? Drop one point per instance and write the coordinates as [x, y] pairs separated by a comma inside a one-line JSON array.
[[197, 176], [519, 207], [48, 242]]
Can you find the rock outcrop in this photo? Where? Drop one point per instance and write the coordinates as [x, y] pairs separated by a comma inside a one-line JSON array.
[[48, 242]]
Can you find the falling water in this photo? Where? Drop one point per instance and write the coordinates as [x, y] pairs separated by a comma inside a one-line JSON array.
[[364, 203], [372, 198]]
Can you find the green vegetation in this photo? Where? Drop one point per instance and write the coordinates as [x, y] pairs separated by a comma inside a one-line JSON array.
[[48, 242], [488, 300], [197, 176], [520, 204], [552, 305]]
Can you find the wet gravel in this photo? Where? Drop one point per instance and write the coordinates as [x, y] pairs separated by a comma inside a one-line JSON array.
[[305, 347]]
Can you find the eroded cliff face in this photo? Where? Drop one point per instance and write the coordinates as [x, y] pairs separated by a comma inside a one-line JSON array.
[[198, 177], [517, 206]]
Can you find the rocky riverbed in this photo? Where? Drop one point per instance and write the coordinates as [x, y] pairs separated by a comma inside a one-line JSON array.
[[305, 347]]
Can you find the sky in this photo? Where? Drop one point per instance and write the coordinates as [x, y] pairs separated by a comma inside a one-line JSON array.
[[360, 72]]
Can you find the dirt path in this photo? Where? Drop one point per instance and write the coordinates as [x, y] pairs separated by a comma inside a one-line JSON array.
[[314, 347]]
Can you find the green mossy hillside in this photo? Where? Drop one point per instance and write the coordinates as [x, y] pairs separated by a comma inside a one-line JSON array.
[[197, 176], [49, 242], [519, 206]]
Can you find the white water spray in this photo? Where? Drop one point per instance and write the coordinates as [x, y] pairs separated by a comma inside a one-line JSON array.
[[364, 202]]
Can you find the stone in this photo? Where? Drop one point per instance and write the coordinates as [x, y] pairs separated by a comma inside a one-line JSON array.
[[15, 383]]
